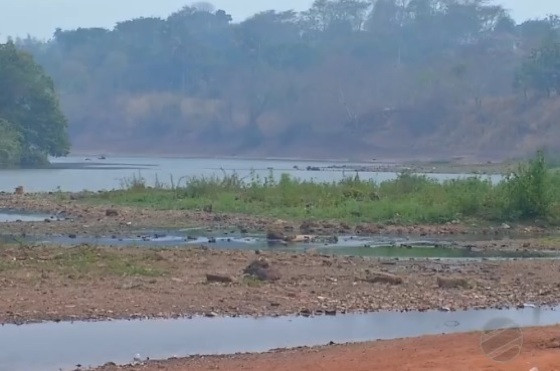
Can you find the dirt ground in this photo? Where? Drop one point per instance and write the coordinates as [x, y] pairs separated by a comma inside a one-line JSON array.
[[57, 283], [462, 352], [91, 283]]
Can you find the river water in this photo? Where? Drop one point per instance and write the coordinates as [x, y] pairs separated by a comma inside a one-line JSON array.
[[74, 173], [61, 346], [379, 246]]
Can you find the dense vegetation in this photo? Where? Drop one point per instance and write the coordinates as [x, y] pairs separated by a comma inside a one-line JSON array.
[[531, 193], [32, 125], [346, 77]]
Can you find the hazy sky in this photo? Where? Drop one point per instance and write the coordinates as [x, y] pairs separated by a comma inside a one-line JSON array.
[[41, 17]]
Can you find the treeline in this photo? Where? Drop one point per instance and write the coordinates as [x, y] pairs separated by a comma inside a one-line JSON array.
[[346, 77], [32, 125]]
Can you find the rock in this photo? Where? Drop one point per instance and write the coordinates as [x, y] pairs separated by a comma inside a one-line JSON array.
[[332, 239], [506, 226], [275, 233], [218, 278], [19, 190], [284, 232], [452, 283], [255, 265], [269, 274], [111, 212], [380, 277], [308, 227], [262, 270]]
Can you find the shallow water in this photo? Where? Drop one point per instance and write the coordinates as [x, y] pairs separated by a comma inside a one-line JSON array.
[[435, 253], [74, 174], [375, 246], [9, 216], [53, 346]]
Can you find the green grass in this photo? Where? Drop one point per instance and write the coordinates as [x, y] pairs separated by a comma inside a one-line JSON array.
[[81, 262], [531, 193], [86, 260], [252, 281]]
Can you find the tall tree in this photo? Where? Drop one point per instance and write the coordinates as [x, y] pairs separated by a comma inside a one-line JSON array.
[[30, 107]]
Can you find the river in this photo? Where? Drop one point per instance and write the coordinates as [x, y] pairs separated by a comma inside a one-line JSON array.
[[60, 346], [78, 173]]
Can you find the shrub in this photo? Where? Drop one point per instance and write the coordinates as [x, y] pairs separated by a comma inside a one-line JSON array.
[[527, 190], [531, 192]]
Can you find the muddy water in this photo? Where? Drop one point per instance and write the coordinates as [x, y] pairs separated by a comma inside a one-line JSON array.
[[53, 346], [74, 174]]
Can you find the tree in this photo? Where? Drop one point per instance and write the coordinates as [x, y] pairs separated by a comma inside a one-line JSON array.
[[10, 144], [385, 68], [29, 110], [335, 16], [541, 71]]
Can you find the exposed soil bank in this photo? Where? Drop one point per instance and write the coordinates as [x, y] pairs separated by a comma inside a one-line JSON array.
[[53, 283], [461, 352]]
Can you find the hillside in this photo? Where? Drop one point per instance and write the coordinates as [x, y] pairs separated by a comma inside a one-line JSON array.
[[347, 78]]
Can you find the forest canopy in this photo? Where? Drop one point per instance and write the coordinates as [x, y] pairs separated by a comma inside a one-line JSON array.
[[344, 78], [32, 125]]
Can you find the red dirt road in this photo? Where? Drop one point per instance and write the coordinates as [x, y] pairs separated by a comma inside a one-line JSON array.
[[462, 352]]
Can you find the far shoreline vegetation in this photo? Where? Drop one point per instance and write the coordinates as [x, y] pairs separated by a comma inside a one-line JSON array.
[[32, 125], [530, 194], [344, 78]]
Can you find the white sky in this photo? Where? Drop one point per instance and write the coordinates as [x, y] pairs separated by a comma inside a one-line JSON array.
[[41, 17]]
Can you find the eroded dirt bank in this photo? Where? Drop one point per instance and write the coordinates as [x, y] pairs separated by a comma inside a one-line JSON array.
[[462, 352]]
